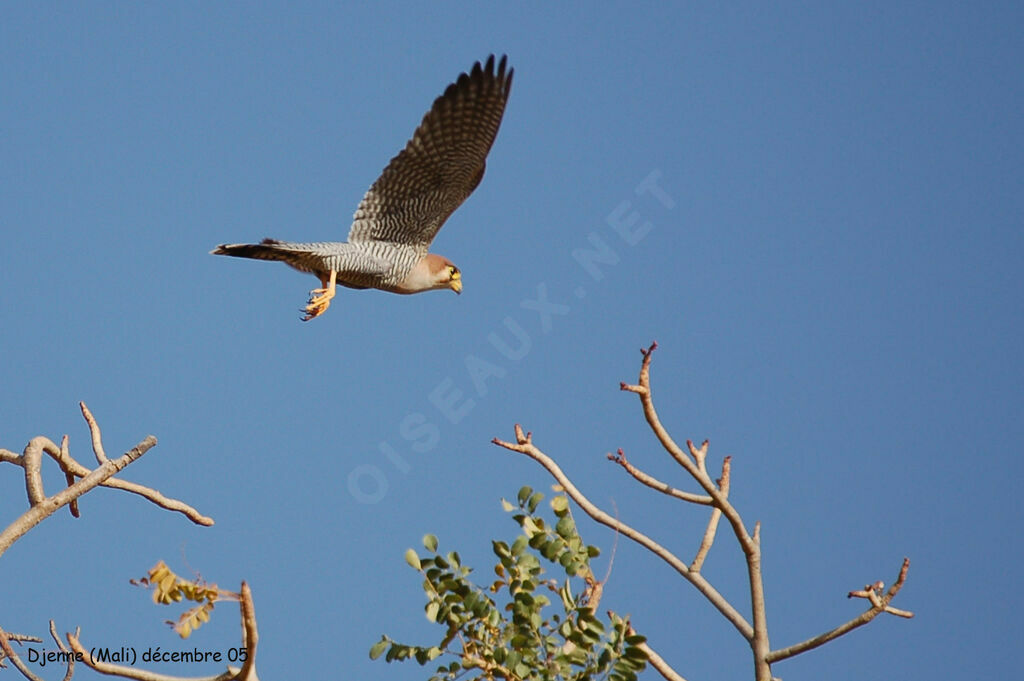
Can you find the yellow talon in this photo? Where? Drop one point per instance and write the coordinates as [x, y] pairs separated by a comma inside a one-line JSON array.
[[320, 298]]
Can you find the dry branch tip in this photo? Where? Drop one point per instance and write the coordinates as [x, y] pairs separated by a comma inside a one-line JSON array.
[[521, 438], [630, 388]]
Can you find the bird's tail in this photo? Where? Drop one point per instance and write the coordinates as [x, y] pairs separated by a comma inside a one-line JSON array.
[[268, 249]]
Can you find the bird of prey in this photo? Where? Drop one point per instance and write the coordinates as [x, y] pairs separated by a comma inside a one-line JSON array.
[[405, 207]]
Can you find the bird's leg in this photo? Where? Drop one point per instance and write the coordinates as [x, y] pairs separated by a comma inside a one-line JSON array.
[[320, 298]]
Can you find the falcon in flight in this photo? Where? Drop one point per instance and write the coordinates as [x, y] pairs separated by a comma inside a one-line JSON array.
[[404, 209]]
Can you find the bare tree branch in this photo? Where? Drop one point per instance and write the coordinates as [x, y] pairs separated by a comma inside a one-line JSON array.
[[5, 645], [41, 506], [524, 445], [694, 461], [250, 636], [46, 507], [716, 514], [654, 483], [33, 464], [878, 606], [69, 477], [64, 649], [759, 642]]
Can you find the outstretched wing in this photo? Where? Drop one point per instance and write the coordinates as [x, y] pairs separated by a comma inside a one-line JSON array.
[[440, 166]]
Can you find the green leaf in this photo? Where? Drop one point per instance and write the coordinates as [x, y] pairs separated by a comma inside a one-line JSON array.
[[430, 542], [565, 527], [379, 647], [412, 559], [431, 610], [524, 494], [535, 499], [560, 505]]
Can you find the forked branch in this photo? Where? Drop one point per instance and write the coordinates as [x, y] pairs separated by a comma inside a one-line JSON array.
[[879, 604], [524, 445], [80, 480]]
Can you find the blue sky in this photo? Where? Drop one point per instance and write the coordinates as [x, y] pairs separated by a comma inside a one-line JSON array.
[[832, 273]]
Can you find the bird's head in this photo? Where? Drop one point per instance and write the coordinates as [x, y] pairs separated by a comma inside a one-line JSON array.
[[444, 273], [432, 272]]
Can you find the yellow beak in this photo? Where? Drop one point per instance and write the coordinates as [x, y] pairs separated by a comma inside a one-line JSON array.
[[456, 284]]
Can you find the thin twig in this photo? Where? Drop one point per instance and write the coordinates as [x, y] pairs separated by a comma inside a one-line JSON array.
[[716, 514], [5, 645], [32, 462], [94, 431], [250, 634], [69, 478], [876, 609], [654, 483], [64, 649], [700, 455]]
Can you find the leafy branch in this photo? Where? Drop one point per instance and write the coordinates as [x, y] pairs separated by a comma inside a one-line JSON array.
[[525, 625]]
